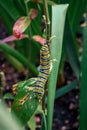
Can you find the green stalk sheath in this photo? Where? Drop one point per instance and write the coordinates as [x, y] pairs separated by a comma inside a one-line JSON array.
[[47, 21], [83, 88], [26, 7]]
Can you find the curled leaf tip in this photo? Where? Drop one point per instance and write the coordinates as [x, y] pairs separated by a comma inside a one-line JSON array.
[[39, 39], [33, 13]]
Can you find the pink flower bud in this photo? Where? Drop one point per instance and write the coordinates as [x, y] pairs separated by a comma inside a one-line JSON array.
[[20, 26]]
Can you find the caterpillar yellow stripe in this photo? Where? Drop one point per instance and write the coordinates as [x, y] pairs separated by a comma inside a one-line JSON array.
[[43, 73]]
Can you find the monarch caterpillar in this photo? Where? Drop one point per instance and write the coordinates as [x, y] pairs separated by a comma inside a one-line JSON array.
[[42, 78], [43, 73]]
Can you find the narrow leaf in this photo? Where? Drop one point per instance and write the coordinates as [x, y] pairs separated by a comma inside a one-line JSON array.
[[44, 123], [83, 88], [7, 122], [13, 61], [60, 92], [56, 50], [10, 9], [75, 15], [8, 96], [6, 48], [69, 46]]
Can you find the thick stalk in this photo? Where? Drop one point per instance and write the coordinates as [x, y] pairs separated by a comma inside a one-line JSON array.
[[47, 21]]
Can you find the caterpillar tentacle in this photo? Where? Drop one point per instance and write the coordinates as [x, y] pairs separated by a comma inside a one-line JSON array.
[[43, 73]]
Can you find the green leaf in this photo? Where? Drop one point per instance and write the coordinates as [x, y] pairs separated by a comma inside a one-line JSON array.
[[83, 88], [25, 104], [44, 123], [8, 96], [60, 92], [76, 10], [19, 4], [56, 50], [35, 27], [8, 121], [6, 20], [73, 20], [32, 123], [10, 9], [23, 85], [70, 48], [14, 62]]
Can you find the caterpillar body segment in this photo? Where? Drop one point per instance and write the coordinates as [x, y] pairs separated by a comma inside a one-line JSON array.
[[43, 73]]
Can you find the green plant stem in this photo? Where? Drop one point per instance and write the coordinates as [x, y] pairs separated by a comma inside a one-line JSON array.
[[44, 123], [47, 21], [26, 7], [83, 88], [48, 41]]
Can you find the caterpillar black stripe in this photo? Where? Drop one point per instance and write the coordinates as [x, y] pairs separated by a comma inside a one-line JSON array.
[[43, 73]]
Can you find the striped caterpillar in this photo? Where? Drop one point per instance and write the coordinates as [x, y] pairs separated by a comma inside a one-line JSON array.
[[42, 78], [43, 73]]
